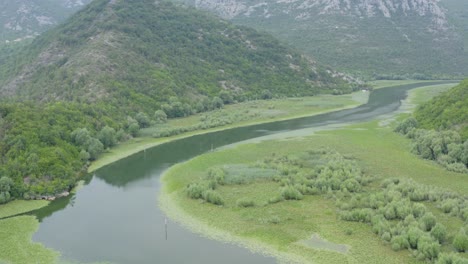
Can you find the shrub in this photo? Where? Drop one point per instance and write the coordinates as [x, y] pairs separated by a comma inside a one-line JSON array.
[[445, 258], [386, 236], [399, 243], [405, 126], [276, 199], [196, 190], [274, 220], [244, 202], [217, 175], [427, 222], [351, 185], [460, 241], [291, 193], [414, 234], [449, 205], [213, 197], [439, 232], [418, 210], [428, 247]]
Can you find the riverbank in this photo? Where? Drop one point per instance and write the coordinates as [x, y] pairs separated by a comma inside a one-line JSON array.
[[264, 111], [278, 229]]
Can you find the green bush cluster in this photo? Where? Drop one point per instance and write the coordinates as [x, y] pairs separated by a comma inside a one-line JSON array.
[[205, 191], [445, 147], [397, 216]]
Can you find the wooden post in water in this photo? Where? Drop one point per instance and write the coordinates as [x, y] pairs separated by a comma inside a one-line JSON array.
[[165, 224]]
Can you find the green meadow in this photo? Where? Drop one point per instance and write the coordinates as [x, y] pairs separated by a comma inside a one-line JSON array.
[[249, 212]]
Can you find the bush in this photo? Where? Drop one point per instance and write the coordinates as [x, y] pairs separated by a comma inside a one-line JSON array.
[[213, 197], [276, 199], [245, 203], [217, 175], [445, 258], [427, 222], [351, 185], [460, 242], [399, 243], [405, 126], [291, 193], [414, 234], [428, 247], [196, 190], [439, 232], [418, 210]]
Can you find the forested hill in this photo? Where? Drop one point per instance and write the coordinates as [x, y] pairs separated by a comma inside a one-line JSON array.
[[115, 66], [148, 51], [379, 38], [447, 111]]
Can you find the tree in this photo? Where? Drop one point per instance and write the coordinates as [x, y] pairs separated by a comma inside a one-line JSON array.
[[160, 117], [226, 96], [84, 155], [81, 137], [107, 136], [95, 148], [5, 186], [142, 119], [217, 102], [405, 126], [133, 129], [266, 94]]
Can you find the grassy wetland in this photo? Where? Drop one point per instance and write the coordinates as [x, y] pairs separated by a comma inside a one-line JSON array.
[[350, 195], [17, 231]]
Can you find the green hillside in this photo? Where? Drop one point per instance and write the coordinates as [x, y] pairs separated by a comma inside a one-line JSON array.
[[98, 78], [447, 111]]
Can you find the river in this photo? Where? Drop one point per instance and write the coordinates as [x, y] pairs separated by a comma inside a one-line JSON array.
[[114, 217]]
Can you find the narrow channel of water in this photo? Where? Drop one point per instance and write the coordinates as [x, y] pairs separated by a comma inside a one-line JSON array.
[[115, 216]]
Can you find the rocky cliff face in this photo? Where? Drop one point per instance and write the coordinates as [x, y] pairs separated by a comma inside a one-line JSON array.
[[309, 9], [364, 36], [20, 19]]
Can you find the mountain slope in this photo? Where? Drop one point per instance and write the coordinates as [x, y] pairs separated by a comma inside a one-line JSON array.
[[392, 37], [100, 76], [20, 19], [157, 50]]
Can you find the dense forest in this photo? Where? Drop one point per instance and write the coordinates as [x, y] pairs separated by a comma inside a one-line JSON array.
[[447, 111], [116, 67], [439, 129]]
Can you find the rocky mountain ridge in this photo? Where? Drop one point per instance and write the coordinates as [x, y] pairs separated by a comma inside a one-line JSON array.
[[371, 36], [20, 19]]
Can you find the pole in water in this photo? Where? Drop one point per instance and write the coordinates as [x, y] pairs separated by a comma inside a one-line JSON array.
[[165, 224], [211, 147]]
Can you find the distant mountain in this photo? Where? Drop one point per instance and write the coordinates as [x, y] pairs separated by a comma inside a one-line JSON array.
[[383, 37], [21, 19], [101, 75]]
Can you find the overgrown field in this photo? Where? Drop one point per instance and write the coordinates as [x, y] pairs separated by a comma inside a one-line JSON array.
[[279, 212]]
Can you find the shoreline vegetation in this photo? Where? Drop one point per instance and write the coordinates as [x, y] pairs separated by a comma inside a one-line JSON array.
[[239, 223], [139, 144]]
